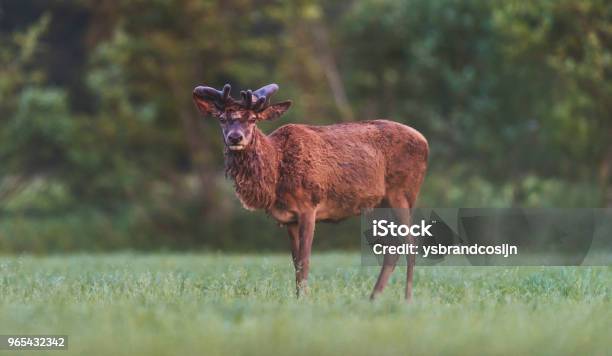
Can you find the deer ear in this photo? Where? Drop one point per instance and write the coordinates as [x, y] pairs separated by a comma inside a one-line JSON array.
[[275, 111], [207, 107]]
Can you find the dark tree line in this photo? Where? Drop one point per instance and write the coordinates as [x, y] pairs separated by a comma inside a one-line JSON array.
[[101, 147]]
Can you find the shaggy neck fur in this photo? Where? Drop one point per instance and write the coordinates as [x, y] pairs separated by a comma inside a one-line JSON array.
[[254, 171]]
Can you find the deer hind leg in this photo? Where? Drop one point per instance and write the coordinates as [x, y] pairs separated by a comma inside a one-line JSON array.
[[410, 259], [401, 206], [294, 240], [404, 207], [305, 233]]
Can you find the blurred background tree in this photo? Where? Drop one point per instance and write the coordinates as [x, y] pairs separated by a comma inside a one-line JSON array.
[[101, 147]]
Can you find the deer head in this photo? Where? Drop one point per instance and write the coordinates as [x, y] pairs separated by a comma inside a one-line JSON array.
[[238, 118]]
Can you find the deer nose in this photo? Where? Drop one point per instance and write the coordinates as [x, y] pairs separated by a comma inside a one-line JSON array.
[[234, 138]]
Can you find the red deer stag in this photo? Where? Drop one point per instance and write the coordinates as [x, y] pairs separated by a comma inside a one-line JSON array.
[[301, 174]]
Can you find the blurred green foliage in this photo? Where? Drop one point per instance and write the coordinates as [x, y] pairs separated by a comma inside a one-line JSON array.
[[101, 148]]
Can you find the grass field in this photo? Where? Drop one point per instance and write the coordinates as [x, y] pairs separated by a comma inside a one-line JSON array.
[[126, 304]]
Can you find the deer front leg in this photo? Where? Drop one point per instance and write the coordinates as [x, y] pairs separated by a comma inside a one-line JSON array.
[[294, 240], [306, 225], [410, 260]]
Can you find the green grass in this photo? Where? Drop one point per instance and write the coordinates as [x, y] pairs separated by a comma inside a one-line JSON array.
[[125, 304]]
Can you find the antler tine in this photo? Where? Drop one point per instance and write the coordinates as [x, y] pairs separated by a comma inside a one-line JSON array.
[[226, 91], [219, 98], [207, 93], [264, 93], [243, 95], [260, 103], [259, 99], [267, 90], [247, 98]]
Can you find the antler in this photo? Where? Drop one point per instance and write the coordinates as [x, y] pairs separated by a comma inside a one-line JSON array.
[[260, 98], [219, 98], [247, 98], [255, 100]]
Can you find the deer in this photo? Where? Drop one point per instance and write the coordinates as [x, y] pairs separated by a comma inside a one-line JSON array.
[[302, 174]]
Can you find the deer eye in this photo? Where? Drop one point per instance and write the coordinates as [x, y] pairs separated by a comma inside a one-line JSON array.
[[222, 119]]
